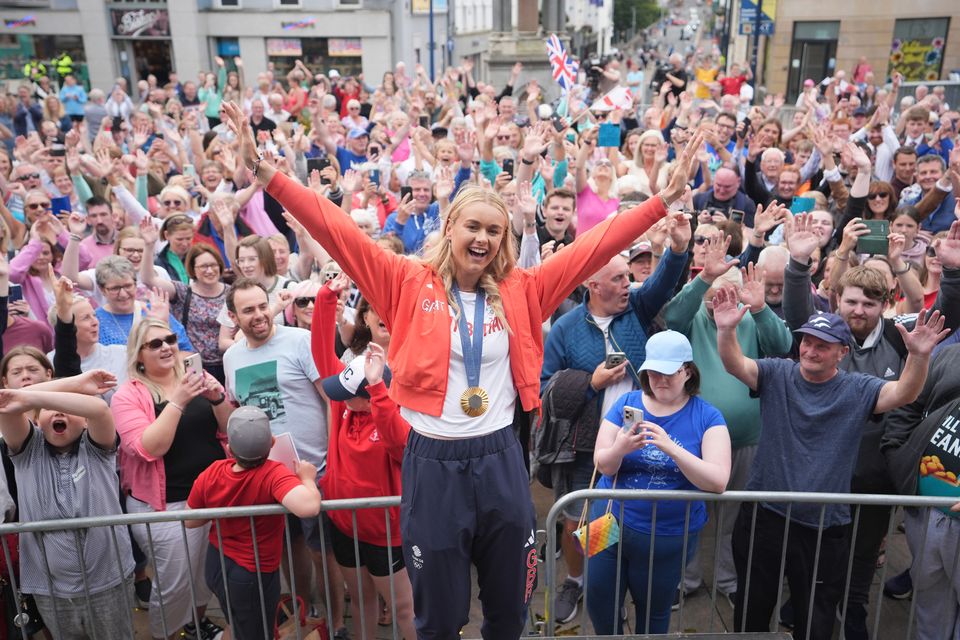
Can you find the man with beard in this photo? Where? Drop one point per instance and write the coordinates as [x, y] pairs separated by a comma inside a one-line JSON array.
[[100, 219], [271, 367], [725, 195], [878, 349]]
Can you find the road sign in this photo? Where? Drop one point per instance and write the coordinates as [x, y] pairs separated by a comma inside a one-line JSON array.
[[748, 17]]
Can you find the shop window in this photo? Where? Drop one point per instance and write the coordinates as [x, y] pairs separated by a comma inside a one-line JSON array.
[[319, 54], [917, 48]]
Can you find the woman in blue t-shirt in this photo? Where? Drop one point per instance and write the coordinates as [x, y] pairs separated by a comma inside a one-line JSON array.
[[677, 441]]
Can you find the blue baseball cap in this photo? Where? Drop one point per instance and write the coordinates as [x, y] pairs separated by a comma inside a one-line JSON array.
[[829, 327], [357, 133], [352, 381], [667, 351]]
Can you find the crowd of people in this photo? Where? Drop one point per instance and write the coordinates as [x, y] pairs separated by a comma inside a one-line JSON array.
[[708, 292]]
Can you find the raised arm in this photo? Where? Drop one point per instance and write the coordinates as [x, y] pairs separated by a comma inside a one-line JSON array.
[[15, 403], [727, 316], [147, 275], [926, 334]]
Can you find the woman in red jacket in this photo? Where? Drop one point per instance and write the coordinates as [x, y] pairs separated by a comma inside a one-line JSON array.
[[367, 437], [466, 493]]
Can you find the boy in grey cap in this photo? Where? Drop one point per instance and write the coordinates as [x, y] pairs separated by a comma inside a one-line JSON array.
[[249, 478]]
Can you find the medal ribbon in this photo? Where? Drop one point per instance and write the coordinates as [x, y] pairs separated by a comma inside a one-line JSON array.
[[471, 352]]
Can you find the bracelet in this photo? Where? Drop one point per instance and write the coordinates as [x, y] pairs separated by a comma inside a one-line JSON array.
[[838, 256], [525, 161], [218, 401], [666, 205], [75, 237], [256, 166], [171, 403], [905, 269]]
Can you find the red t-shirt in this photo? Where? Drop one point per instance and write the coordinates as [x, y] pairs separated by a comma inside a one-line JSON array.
[[220, 486], [730, 86]]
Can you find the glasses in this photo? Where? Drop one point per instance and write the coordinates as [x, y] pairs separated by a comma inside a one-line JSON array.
[[130, 287], [506, 137], [303, 302], [156, 343], [128, 250], [38, 205], [698, 240], [28, 176], [210, 266], [931, 252], [172, 203], [878, 195]]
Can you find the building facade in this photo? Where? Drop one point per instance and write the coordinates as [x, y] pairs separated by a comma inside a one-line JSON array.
[[921, 40], [136, 38]]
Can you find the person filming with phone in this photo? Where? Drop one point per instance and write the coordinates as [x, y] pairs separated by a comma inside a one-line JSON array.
[[591, 355], [662, 437]]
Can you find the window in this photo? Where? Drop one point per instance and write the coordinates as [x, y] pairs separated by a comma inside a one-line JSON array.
[[349, 4], [917, 48], [228, 4], [287, 3]]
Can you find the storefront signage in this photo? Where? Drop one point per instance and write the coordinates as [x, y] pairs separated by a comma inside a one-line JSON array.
[[748, 17], [917, 48], [138, 23], [345, 47], [284, 47], [306, 23], [16, 23], [423, 6]]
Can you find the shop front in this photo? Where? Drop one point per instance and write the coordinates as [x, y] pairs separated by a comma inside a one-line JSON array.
[[142, 46], [319, 54], [23, 53]]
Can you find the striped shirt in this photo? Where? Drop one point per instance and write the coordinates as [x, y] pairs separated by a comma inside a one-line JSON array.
[[80, 483]]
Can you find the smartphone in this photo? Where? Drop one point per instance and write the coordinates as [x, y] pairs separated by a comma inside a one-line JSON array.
[[614, 359], [375, 176], [558, 124], [875, 242], [425, 122], [193, 362], [319, 164], [746, 128], [631, 418], [406, 191], [736, 215], [188, 170], [609, 135], [802, 204], [15, 294], [508, 166]]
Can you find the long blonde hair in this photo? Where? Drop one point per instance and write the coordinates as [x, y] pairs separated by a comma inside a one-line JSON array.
[[440, 256], [135, 345]]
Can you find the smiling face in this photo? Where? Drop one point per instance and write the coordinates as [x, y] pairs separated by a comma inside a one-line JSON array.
[[725, 184], [822, 225], [475, 237], [557, 214], [248, 261], [928, 173], [878, 202], [860, 312], [819, 359], [132, 249], [422, 194], [252, 315], [157, 363]]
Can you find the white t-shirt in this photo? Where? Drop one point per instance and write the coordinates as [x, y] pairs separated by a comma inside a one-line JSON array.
[[612, 393], [279, 377], [109, 357], [495, 377]]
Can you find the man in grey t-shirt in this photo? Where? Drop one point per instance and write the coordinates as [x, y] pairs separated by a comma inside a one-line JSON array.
[[272, 368], [812, 414]]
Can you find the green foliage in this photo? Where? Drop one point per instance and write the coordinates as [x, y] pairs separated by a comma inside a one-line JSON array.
[[648, 12]]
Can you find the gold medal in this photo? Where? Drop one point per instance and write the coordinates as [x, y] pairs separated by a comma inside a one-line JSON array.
[[474, 401]]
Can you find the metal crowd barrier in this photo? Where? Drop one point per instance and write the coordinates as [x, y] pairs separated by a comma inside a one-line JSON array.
[[549, 580]]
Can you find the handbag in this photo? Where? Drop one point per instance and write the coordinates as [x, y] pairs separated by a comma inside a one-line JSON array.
[[600, 533], [310, 628]]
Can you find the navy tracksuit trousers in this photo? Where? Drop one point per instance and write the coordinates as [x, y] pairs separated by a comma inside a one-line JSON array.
[[468, 501]]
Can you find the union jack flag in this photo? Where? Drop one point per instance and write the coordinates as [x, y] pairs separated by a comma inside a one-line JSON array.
[[563, 66]]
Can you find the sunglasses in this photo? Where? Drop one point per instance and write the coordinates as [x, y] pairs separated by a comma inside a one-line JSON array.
[[28, 176], [303, 302], [38, 205], [156, 343], [878, 195], [698, 240], [931, 252], [172, 203]]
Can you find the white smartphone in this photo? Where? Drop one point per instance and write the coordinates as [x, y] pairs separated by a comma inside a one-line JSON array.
[[194, 362], [631, 418]]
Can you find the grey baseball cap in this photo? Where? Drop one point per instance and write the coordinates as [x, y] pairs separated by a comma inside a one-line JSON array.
[[248, 433]]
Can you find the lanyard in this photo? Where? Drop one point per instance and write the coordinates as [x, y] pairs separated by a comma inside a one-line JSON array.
[[471, 352]]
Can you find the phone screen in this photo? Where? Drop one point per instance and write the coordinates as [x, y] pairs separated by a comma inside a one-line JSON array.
[[406, 191], [16, 293], [508, 166]]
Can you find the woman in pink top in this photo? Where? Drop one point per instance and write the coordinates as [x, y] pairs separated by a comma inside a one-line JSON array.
[[596, 197]]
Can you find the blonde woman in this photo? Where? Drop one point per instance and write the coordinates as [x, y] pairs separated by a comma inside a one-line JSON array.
[[649, 163], [172, 425], [458, 387]]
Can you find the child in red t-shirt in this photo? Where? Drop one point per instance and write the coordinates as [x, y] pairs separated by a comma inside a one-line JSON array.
[[246, 479]]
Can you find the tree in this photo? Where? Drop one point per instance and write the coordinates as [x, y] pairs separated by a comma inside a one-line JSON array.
[[647, 12]]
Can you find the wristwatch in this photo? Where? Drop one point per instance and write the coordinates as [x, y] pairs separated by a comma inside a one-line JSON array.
[[218, 401]]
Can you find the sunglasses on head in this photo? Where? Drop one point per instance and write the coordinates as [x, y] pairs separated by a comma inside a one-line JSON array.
[[878, 195], [156, 343], [303, 302], [931, 252]]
